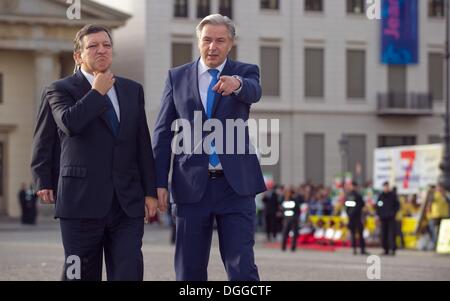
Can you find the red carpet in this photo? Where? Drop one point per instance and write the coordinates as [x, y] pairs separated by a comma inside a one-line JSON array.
[[312, 247]]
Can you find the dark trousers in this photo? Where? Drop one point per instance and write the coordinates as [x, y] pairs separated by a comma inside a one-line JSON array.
[[388, 229], [29, 213], [117, 235], [235, 218], [357, 228], [271, 226], [290, 224]]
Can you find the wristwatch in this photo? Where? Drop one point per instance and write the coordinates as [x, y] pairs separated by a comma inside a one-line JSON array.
[[238, 90]]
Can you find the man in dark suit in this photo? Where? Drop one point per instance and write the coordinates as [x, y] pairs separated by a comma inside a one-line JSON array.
[[106, 180], [207, 183]]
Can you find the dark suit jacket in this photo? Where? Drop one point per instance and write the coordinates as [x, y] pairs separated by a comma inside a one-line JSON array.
[[181, 98], [94, 163], [46, 149]]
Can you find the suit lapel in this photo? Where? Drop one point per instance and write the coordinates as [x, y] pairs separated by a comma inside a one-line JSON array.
[[193, 83], [226, 71], [123, 105], [84, 87]]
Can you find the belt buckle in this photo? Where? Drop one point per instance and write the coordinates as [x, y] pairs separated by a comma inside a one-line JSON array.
[[213, 174]]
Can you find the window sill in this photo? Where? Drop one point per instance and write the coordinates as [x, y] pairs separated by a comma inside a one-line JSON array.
[[272, 12], [356, 100], [314, 99]]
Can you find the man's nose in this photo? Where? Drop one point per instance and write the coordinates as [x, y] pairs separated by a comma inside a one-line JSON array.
[[212, 46], [101, 49]]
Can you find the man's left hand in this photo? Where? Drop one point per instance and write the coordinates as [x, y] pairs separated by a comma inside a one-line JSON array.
[[151, 204], [227, 85]]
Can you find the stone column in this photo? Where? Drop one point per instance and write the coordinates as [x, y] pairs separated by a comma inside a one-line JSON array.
[[47, 70]]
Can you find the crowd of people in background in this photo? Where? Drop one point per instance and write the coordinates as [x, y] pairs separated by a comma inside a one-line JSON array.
[[317, 214], [307, 214]]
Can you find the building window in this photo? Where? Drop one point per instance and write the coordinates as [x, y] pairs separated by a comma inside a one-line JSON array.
[[356, 74], [356, 158], [355, 6], [315, 158], [181, 54], [226, 8], [390, 141], [270, 4], [181, 9], [203, 8], [314, 72], [436, 75], [2, 156], [313, 5], [397, 86], [436, 8], [270, 71], [1, 88], [435, 139]]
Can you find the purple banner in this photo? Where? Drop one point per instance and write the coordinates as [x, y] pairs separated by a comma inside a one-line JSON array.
[[399, 32]]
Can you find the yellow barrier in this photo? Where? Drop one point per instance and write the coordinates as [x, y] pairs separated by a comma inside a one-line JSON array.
[[408, 227]]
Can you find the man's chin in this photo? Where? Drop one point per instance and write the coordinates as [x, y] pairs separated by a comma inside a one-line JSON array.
[[213, 63], [102, 69]]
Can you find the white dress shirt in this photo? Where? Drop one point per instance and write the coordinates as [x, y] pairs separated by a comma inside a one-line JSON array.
[[204, 80], [111, 93]]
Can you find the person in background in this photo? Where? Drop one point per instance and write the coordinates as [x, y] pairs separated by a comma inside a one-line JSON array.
[[28, 200], [271, 205], [387, 207], [354, 205], [436, 211], [291, 211]]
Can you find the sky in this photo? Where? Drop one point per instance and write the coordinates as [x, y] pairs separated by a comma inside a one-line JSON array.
[[122, 5]]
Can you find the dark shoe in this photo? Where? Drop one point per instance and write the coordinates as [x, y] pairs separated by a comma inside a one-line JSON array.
[[364, 253], [355, 252]]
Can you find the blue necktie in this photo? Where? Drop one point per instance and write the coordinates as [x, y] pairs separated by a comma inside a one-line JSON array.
[[112, 118], [213, 158]]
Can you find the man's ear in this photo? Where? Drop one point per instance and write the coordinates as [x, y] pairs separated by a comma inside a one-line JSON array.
[[77, 57]]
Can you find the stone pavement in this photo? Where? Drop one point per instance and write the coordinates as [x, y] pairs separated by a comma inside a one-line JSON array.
[[35, 253]]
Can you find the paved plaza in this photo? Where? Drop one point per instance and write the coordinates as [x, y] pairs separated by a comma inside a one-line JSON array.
[[35, 253]]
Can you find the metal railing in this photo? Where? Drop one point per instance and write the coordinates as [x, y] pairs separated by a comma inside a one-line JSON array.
[[415, 104]]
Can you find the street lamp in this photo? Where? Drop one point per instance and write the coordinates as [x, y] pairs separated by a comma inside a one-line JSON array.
[[343, 147], [445, 165]]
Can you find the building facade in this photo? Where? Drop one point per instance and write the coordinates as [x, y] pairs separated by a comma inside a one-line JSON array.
[[321, 71]]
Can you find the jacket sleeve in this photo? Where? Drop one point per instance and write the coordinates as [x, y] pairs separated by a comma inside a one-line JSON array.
[[163, 135], [73, 117], [251, 89], [146, 160], [45, 142]]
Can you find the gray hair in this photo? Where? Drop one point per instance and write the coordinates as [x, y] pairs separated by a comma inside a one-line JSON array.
[[217, 19]]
